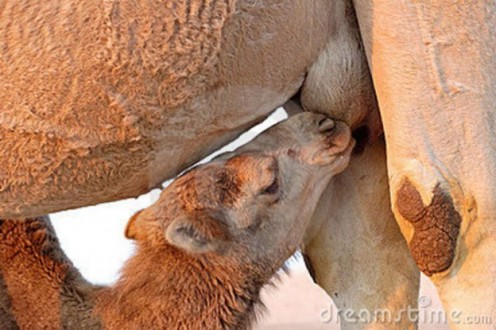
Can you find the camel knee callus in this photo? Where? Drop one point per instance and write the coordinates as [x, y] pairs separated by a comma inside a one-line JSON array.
[[216, 235], [435, 227]]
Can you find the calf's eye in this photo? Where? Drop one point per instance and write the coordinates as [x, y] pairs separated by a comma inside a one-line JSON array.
[[272, 189]]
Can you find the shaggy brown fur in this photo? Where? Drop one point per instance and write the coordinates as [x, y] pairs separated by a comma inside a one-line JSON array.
[[204, 249], [155, 292], [104, 100], [44, 289]]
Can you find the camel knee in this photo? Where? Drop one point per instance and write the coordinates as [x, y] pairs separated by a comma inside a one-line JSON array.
[[435, 227]]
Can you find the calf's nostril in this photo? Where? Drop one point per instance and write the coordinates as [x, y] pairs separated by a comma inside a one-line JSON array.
[[326, 125]]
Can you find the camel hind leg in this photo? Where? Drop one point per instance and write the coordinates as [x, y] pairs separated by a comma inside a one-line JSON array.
[[357, 251]]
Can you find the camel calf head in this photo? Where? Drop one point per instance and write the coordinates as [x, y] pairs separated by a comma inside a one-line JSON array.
[[251, 205]]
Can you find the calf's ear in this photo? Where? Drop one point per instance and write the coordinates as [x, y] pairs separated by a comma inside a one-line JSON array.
[[132, 230], [200, 234]]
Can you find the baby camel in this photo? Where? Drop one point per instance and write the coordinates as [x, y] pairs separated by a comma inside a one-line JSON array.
[[204, 250]]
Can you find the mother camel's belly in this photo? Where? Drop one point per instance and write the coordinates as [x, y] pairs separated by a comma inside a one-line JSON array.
[[103, 101]]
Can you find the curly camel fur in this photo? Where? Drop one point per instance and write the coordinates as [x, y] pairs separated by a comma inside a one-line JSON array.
[[104, 100], [216, 235]]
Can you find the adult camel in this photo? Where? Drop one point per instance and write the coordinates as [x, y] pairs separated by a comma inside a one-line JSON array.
[[98, 107], [103, 101], [433, 67]]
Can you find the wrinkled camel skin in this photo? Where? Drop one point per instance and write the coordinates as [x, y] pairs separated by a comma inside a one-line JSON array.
[[433, 67], [103, 101], [216, 235]]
